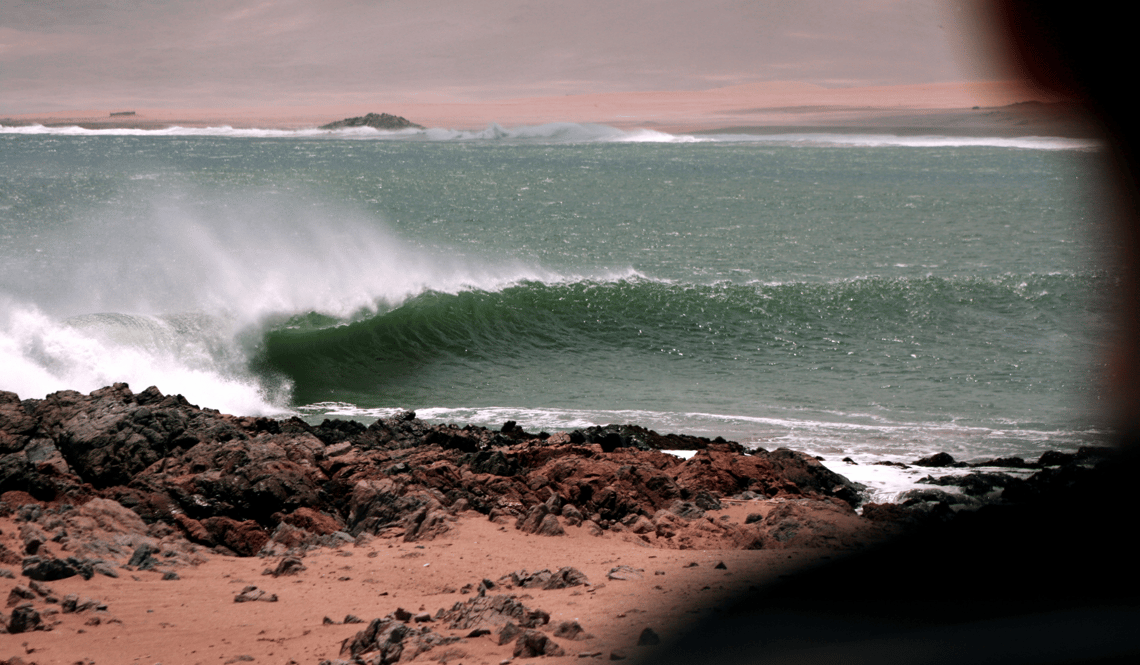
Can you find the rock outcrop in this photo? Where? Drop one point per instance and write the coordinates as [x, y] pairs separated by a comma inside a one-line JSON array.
[[246, 485], [375, 121]]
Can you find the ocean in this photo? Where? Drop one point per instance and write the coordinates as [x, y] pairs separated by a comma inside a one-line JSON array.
[[874, 297]]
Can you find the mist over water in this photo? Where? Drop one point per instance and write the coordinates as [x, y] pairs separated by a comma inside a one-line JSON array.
[[852, 296], [177, 288]]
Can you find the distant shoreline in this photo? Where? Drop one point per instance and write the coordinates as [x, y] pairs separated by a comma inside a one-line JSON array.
[[990, 109]]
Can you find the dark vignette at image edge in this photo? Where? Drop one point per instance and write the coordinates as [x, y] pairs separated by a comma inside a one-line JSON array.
[[1049, 582]]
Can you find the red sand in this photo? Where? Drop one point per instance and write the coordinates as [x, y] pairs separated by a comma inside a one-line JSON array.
[[195, 619]]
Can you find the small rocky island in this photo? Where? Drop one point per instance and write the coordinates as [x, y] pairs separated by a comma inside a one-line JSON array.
[[375, 121]]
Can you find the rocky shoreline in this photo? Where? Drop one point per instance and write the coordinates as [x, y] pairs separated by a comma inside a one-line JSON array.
[[118, 483]]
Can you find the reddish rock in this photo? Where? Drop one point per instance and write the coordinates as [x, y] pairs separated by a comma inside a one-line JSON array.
[[308, 519], [244, 538]]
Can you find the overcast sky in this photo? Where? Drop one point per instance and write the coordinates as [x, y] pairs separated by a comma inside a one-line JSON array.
[[78, 54]]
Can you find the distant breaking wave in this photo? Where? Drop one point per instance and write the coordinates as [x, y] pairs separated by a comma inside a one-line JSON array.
[[569, 132]]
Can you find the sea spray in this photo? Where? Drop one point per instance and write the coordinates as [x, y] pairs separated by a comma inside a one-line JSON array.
[[851, 300]]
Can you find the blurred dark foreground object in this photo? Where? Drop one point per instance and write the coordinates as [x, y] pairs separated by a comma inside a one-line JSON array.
[[1053, 580]]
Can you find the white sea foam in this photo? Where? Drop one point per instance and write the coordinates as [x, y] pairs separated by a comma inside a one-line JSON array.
[[834, 435], [41, 355], [569, 132], [179, 296]]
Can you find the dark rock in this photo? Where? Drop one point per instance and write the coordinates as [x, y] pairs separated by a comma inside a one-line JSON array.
[[251, 593], [46, 569], [920, 496], [720, 566], [508, 632], [143, 557], [290, 565], [25, 619], [687, 510], [259, 486], [565, 578], [402, 615], [550, 526], [375, 121], [19, 594], [41, 590], [937, 460], [1007, 462], [492, 611], [570, 630], [572, 515], [389, 640], [648, 637], [1054, 458], [532, 644], [70, 601], [974, 484], [625, 573]]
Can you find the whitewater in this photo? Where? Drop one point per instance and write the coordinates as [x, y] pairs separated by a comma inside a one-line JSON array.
[[876, 297]]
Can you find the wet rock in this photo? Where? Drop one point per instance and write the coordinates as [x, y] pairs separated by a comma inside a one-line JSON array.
[[974, 484], [258, 485], [917, 497], [937, 460]]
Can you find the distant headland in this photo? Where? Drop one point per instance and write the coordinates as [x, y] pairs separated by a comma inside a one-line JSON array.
[[375, 121]]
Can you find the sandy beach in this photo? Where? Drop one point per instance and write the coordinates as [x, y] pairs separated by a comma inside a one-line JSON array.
[[414, 523], [987, 109], [194, 619], [409, 542]]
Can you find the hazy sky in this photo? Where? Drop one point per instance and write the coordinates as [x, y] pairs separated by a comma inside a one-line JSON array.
[[71, 54]]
